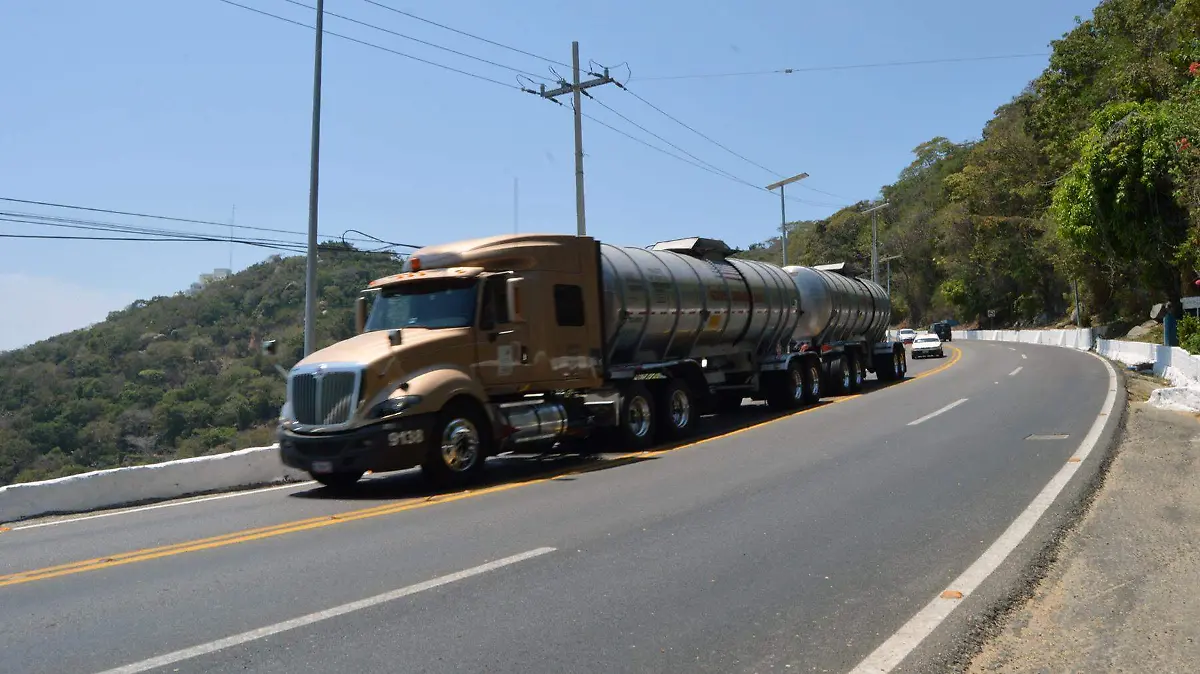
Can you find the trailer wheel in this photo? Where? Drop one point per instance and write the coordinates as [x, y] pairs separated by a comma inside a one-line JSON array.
[[856, 372], [459, 445], [839, 376], [638, 417], [812, 381], [786, 390], [677, 410]]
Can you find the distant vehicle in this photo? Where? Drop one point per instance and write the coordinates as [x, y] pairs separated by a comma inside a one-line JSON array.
[[928, 345], [907, 335], [942, 330]]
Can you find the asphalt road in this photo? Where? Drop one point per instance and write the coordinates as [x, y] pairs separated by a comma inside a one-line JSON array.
[[798, 544]]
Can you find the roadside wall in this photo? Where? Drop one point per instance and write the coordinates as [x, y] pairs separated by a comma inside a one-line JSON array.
[[243, 468], [1171, 363]]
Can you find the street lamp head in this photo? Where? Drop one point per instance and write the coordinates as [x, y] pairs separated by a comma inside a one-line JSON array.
[[787, 181]]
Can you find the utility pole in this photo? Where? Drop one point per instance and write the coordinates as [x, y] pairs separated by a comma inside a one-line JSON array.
[[783, 209], [875, 241], [888, 260], [575, 88], [310, 272], [1078, 311]]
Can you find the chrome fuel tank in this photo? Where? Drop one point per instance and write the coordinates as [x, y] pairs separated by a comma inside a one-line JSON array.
[[838, 307], [682, 300]]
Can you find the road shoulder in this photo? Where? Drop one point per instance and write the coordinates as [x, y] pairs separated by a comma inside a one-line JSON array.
[[1120, 595], [964, 632]]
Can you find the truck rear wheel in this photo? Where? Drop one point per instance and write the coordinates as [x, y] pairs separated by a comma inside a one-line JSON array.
[[460, 445], [677, 410], [635, 426]]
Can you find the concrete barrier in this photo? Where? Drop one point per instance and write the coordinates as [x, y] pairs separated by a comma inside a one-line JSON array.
[[244, 468], [1081, 339], [1174, 364]]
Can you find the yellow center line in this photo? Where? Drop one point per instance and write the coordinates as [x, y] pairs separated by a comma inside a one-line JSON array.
[[260, 533]]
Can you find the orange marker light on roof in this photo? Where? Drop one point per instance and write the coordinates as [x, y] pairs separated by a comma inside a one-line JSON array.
[[414, 263]]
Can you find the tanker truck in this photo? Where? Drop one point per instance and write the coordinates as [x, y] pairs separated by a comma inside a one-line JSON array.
[[526, 343]]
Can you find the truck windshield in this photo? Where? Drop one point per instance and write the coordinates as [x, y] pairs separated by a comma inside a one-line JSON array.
[[437, 303]]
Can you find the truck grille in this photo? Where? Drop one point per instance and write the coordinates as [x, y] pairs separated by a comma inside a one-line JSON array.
[[324, 398]]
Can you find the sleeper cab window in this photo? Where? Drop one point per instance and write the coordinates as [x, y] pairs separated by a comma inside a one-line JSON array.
[[568, 305]]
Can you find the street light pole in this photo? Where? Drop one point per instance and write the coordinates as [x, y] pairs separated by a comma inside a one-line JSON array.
[[310, 272], [888, 261], [875, 241], [783, 209]]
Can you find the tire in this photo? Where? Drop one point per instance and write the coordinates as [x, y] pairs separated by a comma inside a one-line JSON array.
[[902, 366], [338, 481], [812, 381], [677, 410], [461, 442], [856, 373], [839, 376], [637, 420], [786, 391], [884, 367]]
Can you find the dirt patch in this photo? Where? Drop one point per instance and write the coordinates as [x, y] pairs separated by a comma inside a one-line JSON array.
[[1121, 595]]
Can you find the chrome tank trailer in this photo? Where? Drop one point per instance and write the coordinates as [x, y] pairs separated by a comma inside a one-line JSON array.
[[839, 308], [686, 299]]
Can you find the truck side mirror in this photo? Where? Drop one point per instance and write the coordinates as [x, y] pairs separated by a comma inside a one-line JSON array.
[[360, 315], [268, 347], [512, 289]]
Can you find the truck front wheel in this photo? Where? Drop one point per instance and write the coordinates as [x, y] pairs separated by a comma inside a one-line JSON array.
[[460, 445]]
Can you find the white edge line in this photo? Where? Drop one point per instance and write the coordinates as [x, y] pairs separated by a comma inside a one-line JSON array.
[[302, 621], [933, 414], [139, 509], [1014, 372], [893, 651]]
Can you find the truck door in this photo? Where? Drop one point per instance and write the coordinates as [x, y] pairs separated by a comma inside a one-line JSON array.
[[503, 353]]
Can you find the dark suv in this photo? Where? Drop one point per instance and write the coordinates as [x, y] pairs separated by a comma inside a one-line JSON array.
[[942, 330]]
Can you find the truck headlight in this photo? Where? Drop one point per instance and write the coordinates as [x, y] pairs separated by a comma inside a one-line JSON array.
[[393, 405]]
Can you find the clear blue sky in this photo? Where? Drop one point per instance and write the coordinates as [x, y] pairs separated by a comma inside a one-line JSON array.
[[190, 107]]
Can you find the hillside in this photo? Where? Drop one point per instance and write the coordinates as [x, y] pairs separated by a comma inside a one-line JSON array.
[[1091, 175], [171, 377]]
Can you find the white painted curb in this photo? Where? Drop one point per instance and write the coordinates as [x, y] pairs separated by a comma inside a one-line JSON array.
[[130, 485]]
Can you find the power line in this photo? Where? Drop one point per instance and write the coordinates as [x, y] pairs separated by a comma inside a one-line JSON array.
[[419, 40], [714, 142], [698, 165], [618, 114], [169, 218], [152, 234], [814, 69], [375, 46], [462, 32]]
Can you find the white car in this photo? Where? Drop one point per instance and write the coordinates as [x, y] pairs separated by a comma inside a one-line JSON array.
[[927, 345], [907, 335]]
